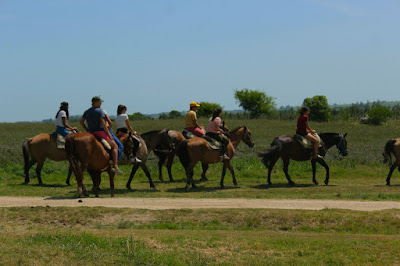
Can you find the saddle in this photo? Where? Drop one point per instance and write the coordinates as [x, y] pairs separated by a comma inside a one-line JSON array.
[[305, 142], [212, 143], [60, 140]]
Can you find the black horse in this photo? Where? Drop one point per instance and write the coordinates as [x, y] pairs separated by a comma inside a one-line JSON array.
[[286, 147]]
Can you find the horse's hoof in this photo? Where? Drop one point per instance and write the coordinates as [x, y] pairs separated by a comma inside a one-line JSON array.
[[154, 188], [194, 186], [68, 183], [326, 182], [235, 184], [203, 179], [222, 186], [316, 183], [292, 183], [269, 183], [387, 183], [187, 188]]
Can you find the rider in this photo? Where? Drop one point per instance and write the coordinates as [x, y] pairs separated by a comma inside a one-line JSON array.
[[61, 120], [191, 124], [123, 124], [304, 129], [214, 131], [109, 126], [97, 126]]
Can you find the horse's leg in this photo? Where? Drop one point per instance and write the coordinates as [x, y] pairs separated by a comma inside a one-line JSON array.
[[227, 164], [390, 173], [111, 175], [69, 176], [204, 166], [189, 176], [134, 169], [146, 171], [39, 171], [94, 174], [169, 166], [162, 157], [285, 170], [314, 168], [28, 165], [270, 168], [323, 163]]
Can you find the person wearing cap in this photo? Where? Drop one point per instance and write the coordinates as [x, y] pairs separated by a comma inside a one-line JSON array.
[[191, 124], [96, 125], [61, 120]]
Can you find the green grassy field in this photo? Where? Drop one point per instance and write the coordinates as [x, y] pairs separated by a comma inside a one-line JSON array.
[[101, 236], [360, 175]]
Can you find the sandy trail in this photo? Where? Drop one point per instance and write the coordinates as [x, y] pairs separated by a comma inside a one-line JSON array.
[[190, 203]]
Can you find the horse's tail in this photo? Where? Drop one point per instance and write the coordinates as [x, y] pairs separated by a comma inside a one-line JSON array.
[[389, 149], [272, 152], [69, 149], [183, 154], [27, 154]]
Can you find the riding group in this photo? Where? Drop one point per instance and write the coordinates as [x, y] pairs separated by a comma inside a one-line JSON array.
[[98, 149]]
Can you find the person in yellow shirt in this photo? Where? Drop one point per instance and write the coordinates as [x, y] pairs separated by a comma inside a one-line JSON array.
[[191, 124]]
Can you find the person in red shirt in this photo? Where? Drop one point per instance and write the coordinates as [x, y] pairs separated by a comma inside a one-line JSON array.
[[304, 129]]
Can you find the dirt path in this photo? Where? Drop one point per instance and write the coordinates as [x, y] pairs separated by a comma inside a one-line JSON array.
[[190, 203]]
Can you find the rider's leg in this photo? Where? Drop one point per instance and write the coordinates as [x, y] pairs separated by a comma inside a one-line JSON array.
[[314, 140]]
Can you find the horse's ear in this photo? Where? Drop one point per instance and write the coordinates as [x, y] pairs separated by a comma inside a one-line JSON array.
[[345, 135]]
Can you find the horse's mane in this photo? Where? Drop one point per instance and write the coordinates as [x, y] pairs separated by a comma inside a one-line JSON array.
[[237, 128], [328, 134]]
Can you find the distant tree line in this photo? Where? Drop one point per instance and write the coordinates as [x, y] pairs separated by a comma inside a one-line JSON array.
[[257, 104]]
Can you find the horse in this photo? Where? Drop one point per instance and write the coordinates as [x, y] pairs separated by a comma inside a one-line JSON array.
[[86, 149], [37, 149], [176, 138], [152, 140], [197, 149], [287, 148], [392, 146]]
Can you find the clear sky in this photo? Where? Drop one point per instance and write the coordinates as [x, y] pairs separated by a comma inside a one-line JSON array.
[[159, 55]]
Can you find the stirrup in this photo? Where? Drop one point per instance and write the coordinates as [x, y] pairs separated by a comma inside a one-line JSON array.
[[117, 171]]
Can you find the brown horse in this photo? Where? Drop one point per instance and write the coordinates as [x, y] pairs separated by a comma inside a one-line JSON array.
[[197, 149], [152, 140], [287, 148], [37, 149], [392, 146], [86, 149], [176, 138]]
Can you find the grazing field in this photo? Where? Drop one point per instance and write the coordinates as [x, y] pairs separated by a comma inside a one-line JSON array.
[[101, 236], [360, 175]]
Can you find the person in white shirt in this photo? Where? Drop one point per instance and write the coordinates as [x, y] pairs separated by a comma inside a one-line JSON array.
[[123, 125], [61, 120]]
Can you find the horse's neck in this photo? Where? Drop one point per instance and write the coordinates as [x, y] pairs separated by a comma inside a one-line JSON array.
[[329, 142], [235, 138]]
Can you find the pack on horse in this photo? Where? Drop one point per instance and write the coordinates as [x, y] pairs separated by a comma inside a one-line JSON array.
[[176, 138], [197, 149], [84, 151], [392, 146], [287, 148], [152, 140], [37, 149]]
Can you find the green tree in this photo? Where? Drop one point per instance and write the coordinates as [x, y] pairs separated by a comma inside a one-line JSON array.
[[256, 102], [319, 108], [378, 115], [206, 109], [139, 116], [171, 115]]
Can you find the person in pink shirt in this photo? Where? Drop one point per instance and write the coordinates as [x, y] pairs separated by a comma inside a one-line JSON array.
[[215, 131]]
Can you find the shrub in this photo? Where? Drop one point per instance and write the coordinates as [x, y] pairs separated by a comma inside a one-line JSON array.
[[379, 115]]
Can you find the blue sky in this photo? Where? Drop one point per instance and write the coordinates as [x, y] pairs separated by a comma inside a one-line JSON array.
[[159, 55]]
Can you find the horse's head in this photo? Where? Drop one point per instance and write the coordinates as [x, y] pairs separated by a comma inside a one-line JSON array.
[[247, 137], [127, 141], [342, 145], [165, 142]]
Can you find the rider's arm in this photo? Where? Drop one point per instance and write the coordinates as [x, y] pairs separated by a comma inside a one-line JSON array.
[[107, 118], [64, 121], [309, 128], [128, 125], [82, 123]]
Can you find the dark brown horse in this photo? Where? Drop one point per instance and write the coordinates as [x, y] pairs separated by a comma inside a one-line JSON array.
[[196, 149], [392, 146], [287, 148], [176, 138], [90, 153], [37, 149], [152, 140]]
